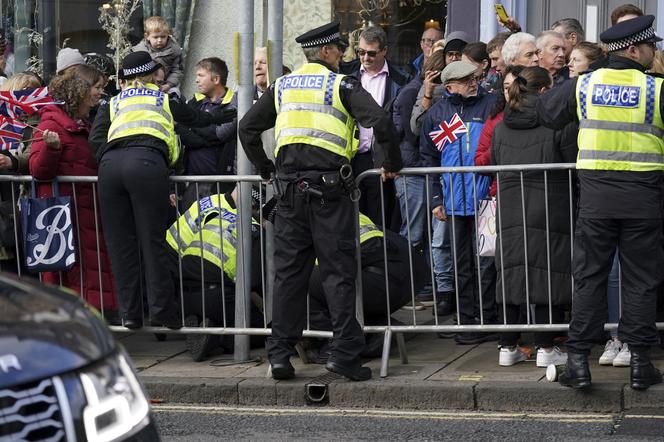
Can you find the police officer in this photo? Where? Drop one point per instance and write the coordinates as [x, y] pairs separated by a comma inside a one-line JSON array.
[[205, 238], [134, 141], [314, 111], [620, 161]]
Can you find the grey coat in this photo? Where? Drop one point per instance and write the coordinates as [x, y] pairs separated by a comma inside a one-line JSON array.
[[170, 56], [519, 139]]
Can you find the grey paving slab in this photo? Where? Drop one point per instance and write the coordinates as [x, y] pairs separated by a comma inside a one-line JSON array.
[[182, 366], [547, 396], [192, 390], [402, 394]]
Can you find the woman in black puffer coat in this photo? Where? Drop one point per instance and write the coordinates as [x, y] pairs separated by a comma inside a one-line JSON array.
[[519, 139]]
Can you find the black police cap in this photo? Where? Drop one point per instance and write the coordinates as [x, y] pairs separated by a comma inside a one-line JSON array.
[[323, 35], [630, 32]]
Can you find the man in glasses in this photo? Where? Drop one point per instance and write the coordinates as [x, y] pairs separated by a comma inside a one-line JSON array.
[[429, 37], [453, 50], [383, 80], [450, 133], [314, 111]]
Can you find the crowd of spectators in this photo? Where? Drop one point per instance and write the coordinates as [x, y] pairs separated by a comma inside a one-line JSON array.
[[492, 87]]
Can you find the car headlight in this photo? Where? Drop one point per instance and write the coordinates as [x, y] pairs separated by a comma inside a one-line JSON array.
[[117, 404]]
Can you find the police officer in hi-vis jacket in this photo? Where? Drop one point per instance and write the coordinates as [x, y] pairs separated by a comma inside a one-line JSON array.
[[313, 111], [621, 158], [135, 144]]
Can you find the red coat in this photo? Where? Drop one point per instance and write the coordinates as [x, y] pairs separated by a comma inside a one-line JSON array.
[[483, 152], [74, 157]]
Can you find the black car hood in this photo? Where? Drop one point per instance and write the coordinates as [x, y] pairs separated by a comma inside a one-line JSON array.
[[45, 331]]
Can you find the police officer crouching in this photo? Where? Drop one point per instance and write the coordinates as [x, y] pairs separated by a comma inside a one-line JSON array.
[[620, 163], [134, 141], [314, 111]]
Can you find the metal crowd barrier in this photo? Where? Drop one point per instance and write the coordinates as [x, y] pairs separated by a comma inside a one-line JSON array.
[[410, 323]]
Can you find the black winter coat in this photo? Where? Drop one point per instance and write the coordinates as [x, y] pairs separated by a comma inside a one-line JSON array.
[[519, 139]]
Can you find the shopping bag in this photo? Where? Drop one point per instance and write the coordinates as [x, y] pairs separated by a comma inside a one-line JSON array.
[[48, 234], [486, 227]]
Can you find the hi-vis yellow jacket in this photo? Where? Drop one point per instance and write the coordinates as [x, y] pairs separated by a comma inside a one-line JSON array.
[[310, 111], [620, 125], [143, 111]]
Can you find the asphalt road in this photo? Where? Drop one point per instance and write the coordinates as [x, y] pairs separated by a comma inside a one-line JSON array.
[[189, 423]]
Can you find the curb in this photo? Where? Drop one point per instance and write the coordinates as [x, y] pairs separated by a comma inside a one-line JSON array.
[[407, 394]]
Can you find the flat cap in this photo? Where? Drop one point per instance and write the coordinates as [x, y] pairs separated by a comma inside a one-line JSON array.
[[630, 32], [322, 35], [457, 70]]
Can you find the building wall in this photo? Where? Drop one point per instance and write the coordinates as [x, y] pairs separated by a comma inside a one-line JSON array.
[[215, 22]]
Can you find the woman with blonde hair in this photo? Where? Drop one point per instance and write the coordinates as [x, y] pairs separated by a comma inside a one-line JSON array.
[[584, 56], [62, 149]]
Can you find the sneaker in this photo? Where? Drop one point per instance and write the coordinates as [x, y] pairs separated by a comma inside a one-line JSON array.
[[510, 356], [611, 350], [426, 299], [555, 357], [417, 306], [623, 358]]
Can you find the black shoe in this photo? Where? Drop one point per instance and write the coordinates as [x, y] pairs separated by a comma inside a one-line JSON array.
[[132, 324], [282, 370], [472, 338], [446, 303], [577, 373], [354, 373], [174, 323], [642, 373], [199, 346]]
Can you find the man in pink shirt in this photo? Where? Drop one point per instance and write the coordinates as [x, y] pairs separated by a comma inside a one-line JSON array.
[[383, 81]]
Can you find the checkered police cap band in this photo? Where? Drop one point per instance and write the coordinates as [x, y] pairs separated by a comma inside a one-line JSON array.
[[642, 36], [147, 67], [321, 41]]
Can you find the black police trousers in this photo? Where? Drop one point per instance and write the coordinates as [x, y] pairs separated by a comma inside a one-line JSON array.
[[305, 229], [641, 259], [133, 194]]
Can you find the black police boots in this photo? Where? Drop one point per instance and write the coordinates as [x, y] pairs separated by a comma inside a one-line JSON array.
[[642, 373], [282, 370], [446, 303], [577, 373]]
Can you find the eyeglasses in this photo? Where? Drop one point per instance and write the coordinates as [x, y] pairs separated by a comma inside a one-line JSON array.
[[468, 81], [362, 53], [428, 41]]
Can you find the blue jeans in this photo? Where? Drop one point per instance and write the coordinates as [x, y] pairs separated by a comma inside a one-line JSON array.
[[413, 186], [441, 249], [613, 293]]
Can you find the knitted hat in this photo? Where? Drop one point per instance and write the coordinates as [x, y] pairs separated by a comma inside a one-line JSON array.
[[137, 63], [68, 57]]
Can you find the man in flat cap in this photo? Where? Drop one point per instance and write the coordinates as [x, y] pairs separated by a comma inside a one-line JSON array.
[[449, 136], [314, 111], [620, 162]]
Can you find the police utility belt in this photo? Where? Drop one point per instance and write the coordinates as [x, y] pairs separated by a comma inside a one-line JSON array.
[[324, 186]]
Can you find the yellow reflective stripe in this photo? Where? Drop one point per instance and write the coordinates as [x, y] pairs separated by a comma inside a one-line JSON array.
[[622, 127], [612, 155], [144, 107], [137, 125], [216, 251], [313, 107], [314, 133]]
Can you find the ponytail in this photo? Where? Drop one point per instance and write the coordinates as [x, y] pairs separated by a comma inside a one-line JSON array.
[[530, 81]]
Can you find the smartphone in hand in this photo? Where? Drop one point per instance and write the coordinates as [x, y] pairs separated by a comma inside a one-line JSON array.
[[502, 13]]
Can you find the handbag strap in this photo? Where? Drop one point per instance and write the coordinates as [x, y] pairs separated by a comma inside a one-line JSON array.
[[55, 186]]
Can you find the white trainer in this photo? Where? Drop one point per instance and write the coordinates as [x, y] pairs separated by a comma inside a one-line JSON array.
[[611, 350], [510, 356], [555, 357], [623, 358]]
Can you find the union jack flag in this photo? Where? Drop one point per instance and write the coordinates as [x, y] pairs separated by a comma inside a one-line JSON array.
[[447, 132], [11, 133], [24, 101]]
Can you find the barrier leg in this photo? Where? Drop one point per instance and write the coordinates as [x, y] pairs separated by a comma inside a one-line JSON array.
[[385, 360], [401, 345]]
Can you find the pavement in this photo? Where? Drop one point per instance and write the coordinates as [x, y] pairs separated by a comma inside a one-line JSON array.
[[439, 375]]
